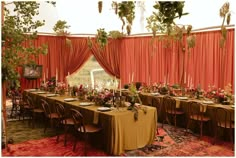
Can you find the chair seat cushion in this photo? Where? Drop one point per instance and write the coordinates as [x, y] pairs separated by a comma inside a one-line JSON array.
[[225, 125], [199, 118], [90, 128], [175, 112], [53, 116], [38, 110], [68, 121]]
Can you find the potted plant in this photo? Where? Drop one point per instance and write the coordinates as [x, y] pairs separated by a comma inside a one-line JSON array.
[[99, 6]]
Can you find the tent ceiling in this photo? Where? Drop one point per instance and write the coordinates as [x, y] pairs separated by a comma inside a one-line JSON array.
[[83, 16]]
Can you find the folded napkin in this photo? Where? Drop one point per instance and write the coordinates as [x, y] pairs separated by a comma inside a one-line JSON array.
[[203, 108], [177, 103], [95, 117]]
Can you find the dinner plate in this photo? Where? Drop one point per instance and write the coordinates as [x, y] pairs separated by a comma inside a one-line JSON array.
[[86, 103], [104, 109], [155, 93], [51, 95], [41, 92], [31, 90], [70, 99], [182, 98], [208, 102]]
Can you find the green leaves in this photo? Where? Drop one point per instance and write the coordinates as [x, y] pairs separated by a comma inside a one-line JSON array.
[[102, 37], [126, 14], [19, 28], [60, 27]]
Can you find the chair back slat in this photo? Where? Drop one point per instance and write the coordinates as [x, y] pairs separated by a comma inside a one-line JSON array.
[[78, 120]]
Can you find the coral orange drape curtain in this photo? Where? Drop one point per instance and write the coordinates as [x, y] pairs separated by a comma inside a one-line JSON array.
[[205, 64], [109, 56], [146, 59]]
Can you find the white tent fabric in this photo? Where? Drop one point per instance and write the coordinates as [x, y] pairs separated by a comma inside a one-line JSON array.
[[83, 16]]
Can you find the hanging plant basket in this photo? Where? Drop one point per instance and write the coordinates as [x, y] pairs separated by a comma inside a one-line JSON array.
[[99, 6]]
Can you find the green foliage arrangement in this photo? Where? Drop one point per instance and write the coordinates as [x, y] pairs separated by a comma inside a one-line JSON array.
[[126, 14], [102, 37], [115, 34], [60, 28], [162, 21], [18, 28], [226, 15]]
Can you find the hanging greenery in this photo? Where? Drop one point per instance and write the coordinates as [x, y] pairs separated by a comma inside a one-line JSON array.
[[126, 14], [116, 34], [114, 5], [102, 37], [60, 29], [225, 14], [99, 6], [162, 21]]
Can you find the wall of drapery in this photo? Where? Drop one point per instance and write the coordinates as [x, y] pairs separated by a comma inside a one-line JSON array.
[[143, 59]]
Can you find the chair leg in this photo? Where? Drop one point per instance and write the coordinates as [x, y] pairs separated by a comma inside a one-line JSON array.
[[66, 130], [188, 124], [201, 124]]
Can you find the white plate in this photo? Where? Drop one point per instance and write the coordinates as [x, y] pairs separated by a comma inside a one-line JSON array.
[[86, 103], [207, 102], [70, 99], [155, 93], [31, 90], [182, 98], [41, 92], [104, 109], [51, 95]]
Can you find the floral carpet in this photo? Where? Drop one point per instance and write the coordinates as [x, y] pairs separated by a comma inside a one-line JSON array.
[[168, 142]]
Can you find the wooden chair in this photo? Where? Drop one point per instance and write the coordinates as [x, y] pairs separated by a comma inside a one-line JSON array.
[[25, 108], [36, 112], [16, 101], [224, 120], [84, 129], [197, 113], [169, 105], [65, 119], [51, 116]]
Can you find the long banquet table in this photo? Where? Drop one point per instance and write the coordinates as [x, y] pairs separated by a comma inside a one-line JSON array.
[[120, 130]]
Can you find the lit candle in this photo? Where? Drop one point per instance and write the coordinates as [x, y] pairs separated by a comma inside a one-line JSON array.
[[47, 73], [132, 77], [188, 80], [44, 77], [184, 77], [120, 87], [165, 79], [129, 77], [56, 76], [149, 80]]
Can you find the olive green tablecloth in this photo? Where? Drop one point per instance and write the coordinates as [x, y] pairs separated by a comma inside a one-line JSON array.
[[120, 130]]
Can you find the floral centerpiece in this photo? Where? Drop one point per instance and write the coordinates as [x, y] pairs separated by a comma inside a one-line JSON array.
[[223, 96], [60, 88], [82, 92], [103, 98], [51, 84]]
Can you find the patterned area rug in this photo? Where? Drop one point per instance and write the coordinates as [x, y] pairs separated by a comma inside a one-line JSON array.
[[170, 142], [49, 147]]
